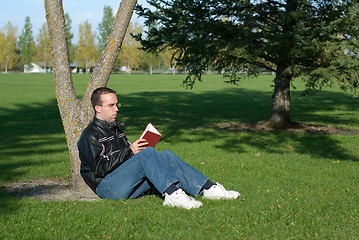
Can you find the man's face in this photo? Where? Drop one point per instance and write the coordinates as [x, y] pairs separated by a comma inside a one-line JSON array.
[[107, 111]]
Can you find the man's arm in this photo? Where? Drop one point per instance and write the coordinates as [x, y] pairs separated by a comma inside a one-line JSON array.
[[101, 162]]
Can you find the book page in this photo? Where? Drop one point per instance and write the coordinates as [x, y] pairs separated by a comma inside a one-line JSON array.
[[150, 128], [151, 135]]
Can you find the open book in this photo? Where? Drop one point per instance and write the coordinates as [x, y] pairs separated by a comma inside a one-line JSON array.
[[151, 135]]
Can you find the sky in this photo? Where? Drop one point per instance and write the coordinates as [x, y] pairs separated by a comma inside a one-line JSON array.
[[15, 11]]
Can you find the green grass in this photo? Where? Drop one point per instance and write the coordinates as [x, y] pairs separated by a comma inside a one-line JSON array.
[[293, 185]]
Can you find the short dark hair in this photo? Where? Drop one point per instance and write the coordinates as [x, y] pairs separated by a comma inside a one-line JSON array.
[[96, 95]]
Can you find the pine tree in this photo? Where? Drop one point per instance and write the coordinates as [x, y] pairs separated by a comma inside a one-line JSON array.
[[26, 43], [291, 38], [104, 27]]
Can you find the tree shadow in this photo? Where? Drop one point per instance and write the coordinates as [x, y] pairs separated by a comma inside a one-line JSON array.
[[177, 111], [27, 132], [34, 130], [328, 107], [310, 145]]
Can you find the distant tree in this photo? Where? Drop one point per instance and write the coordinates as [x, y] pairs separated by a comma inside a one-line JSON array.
[[26, 43], [2, 50], [130, 55], [42, 50], [85, 54], [166, 59], [69, 36], [151, 60], [75, 113], [8, 50], [104, 27], [291, 38]]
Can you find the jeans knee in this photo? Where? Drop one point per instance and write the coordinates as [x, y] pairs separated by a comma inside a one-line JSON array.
[[167, 152], [151, 153], [151, 150]]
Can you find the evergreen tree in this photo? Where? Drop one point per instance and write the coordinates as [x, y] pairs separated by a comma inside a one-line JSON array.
[[26, 43], [290, 38], [104, 27]]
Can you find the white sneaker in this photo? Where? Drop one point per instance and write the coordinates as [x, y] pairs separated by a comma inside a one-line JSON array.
[[180, 199], [217, 191]]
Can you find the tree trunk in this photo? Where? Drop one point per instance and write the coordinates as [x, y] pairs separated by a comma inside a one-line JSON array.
[[76, 114], [281, 100], [7, 56]]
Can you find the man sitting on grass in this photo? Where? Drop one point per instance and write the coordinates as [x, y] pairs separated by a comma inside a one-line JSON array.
[[114, 168]]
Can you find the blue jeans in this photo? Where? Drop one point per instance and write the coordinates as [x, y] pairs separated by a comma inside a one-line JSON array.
[[150, 167]]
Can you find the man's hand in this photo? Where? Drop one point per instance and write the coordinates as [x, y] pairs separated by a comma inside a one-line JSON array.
[[138, 145]]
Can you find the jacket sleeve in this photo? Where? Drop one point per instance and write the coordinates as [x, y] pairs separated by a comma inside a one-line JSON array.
[[101, 161]]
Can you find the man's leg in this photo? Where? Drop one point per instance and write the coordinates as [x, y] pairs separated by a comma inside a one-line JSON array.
[[115, 187], [124, 181], [163, 170], [194, 182], [191, 179]]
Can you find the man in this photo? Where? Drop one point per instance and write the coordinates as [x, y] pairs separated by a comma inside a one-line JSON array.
[[114, 168]]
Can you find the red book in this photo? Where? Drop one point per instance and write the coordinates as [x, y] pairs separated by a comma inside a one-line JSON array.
[[151, 135]]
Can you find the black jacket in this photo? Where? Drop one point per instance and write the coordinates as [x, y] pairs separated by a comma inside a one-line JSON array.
[[103, 147]]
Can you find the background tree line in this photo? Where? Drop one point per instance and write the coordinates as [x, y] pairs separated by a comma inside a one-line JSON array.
[[18, 50]]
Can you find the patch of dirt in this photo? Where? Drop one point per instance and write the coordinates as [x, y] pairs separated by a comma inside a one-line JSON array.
[[48, 190], [60, 189]]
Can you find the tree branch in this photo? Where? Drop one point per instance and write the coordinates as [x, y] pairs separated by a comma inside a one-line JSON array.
[[104, 66], [59, 51]]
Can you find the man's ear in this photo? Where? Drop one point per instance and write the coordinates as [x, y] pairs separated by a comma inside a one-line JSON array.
[[97, 109]]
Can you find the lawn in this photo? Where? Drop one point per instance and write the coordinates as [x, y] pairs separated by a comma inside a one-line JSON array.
[[294, 185]]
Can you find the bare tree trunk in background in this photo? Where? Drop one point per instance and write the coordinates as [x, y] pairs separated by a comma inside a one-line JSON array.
[[76, 114]]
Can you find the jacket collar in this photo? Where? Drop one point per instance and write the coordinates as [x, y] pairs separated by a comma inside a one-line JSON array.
[[111, 125]]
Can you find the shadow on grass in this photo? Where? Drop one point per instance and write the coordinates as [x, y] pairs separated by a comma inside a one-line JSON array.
[[176, 111], [312, 146], [327, 107], [186, 110], [8, 204], [28, 130]]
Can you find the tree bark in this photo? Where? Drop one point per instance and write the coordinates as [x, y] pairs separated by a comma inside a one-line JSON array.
[[281, 100], [76, 114]]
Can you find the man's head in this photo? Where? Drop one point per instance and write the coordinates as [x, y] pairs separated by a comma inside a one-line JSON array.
[[104, 102]]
